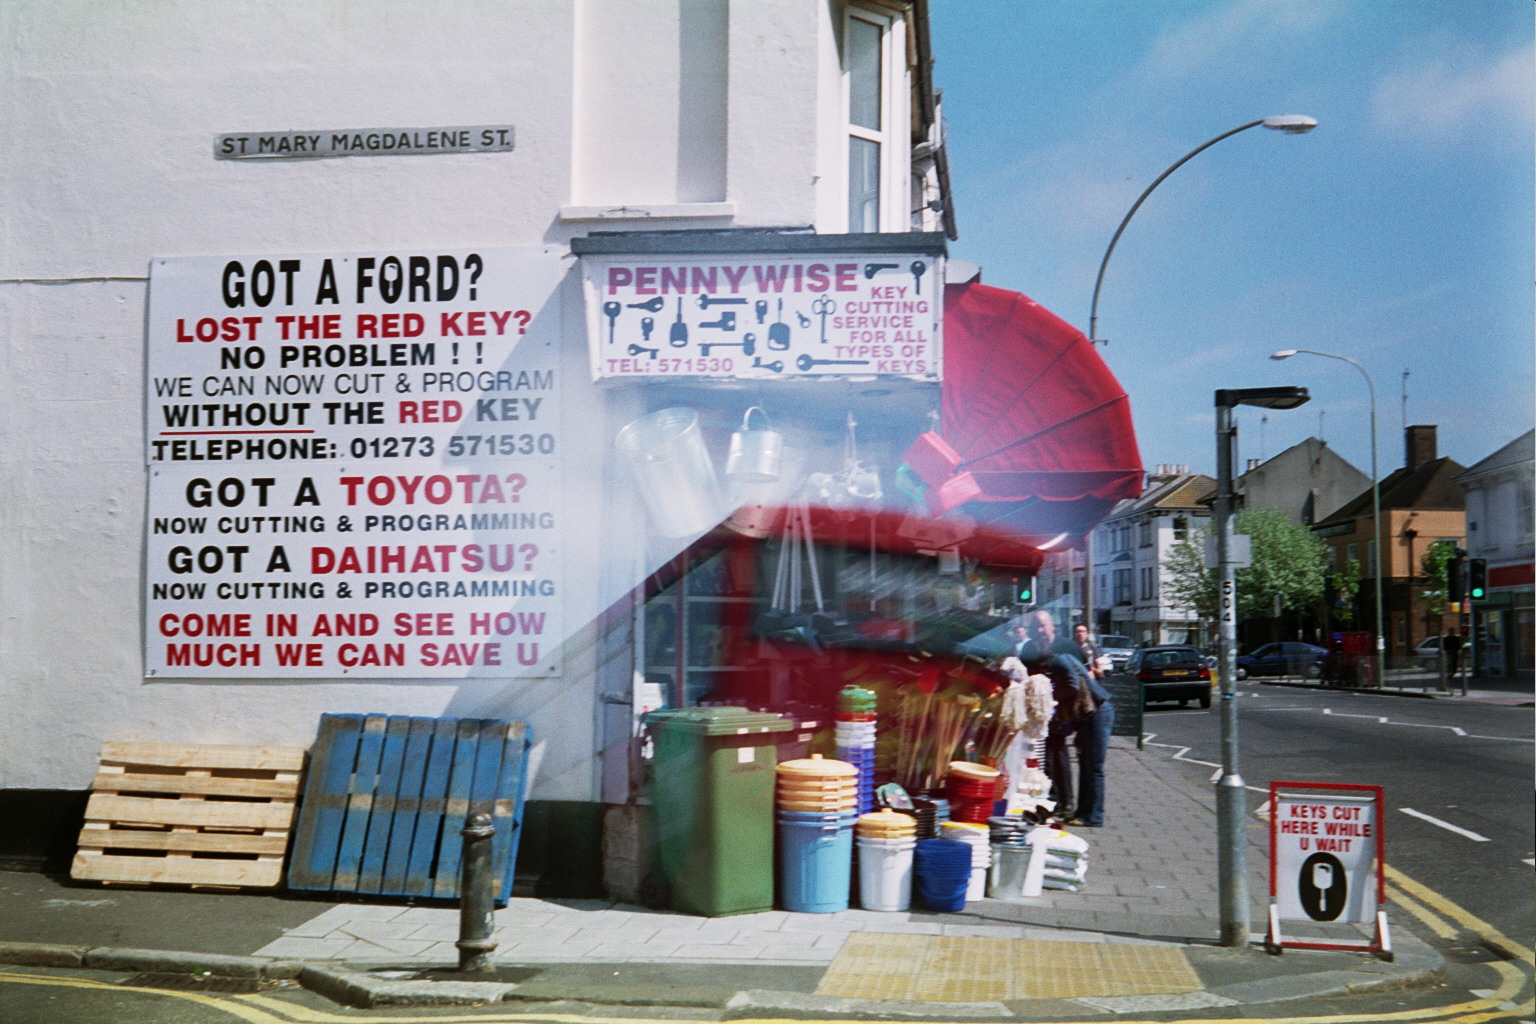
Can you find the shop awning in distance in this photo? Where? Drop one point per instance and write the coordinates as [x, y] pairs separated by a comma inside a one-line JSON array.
[[1035, 440]]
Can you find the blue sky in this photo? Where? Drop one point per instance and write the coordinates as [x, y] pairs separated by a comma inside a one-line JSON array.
[[1398, 233]]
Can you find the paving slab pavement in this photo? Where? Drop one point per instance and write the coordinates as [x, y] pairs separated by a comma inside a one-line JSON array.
[[1147, 919]]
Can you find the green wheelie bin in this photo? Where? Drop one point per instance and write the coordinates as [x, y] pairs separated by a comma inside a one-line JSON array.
[[712, 782]]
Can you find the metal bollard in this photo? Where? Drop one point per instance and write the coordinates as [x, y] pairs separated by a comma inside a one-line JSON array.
[[476, 895]]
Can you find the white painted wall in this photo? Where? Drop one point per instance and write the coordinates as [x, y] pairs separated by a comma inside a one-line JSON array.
[[111, 111]]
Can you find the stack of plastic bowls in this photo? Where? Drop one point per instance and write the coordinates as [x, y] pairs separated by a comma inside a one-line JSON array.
[[927, 815], [885, 842], [942, 869], [855, 727], [974, 837], [1010, 857], [816, 800], [972, 791]]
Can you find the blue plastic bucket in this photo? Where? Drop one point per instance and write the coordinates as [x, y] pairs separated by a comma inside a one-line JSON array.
[[943, 894], [815, 864], [943, 857]]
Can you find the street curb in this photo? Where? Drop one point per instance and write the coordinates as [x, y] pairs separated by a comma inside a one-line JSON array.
[[41, 954], [766, 1001], [172, 962], [363, 990]]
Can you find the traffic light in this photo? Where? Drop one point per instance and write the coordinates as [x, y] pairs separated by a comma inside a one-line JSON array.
[[1455, 582], [1026, 585], [1477, 579]]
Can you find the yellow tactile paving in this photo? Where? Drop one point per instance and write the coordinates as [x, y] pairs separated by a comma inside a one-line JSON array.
[[943, 968]]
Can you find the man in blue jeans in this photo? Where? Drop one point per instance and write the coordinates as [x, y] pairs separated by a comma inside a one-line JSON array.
[[1092, 746], [1093, 735], [1063, 662]]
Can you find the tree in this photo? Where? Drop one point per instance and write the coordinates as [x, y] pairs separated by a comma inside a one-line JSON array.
[[1187, 581], [1433, 564], [1346, 585], [1288, 568]]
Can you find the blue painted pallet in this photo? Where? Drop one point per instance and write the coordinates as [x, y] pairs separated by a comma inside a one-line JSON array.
[[386, 797]]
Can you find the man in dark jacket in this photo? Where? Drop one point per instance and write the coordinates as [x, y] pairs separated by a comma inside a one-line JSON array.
[[1062, 662]]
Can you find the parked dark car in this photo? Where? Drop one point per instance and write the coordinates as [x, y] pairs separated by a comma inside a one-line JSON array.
[[1171, 672], [1283, 659]]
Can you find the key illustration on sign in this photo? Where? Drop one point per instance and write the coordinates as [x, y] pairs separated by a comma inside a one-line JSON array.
[[823, 306], [679, 334], [1323, 886], [778, 331]]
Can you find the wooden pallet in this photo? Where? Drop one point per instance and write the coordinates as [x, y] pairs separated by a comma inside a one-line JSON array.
[[387, 796], [198, 815]]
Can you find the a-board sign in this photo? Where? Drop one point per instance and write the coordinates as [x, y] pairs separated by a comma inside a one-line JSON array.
[[354, 465], [1125, 693], [1327, 856]]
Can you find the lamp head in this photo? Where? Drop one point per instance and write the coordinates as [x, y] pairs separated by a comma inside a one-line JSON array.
[[1264, 398], [1284, 353], [1291, 124]]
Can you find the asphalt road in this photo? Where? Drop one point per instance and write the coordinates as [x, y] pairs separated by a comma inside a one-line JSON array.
[[1457, 774]]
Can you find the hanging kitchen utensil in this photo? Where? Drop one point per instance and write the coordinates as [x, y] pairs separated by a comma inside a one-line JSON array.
[[672, 470], [755, 455], [786, 622]]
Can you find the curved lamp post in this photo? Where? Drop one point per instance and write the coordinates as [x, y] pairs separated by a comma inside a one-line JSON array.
[[1381, 552], [1288, 124]]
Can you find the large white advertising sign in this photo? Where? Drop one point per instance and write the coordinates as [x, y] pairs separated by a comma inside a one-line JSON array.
[[764, 317], [354, 466]]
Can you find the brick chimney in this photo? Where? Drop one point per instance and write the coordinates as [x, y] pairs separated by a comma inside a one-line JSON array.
[[1419, 445]]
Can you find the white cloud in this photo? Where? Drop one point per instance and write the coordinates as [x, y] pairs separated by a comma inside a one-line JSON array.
[[1231, 34], [1451, 96]]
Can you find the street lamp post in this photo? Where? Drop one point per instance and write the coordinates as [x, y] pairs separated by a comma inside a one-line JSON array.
[[1381, 552], [1232, 846], [1288, 124]]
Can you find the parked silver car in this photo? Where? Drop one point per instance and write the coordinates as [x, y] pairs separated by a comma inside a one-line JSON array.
[[1119, 649]]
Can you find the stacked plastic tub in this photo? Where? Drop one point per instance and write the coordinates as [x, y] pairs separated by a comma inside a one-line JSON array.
[[885, 840], [855, 725], [975, 838], [973, 791], [816, 800], [942, 871]]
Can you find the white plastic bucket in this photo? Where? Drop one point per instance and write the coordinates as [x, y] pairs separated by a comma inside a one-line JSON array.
[[677, 482], [977, 888], [885, 874]]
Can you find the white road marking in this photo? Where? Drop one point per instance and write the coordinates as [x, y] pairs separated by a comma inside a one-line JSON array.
[[1382, 719], [1385, 720], [1529, 860], [1446, 825], [1425, 725]]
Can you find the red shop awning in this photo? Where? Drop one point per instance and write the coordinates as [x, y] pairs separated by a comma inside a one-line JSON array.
[[1035, 435]]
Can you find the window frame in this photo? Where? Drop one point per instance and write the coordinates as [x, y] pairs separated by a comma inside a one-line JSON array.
[[893, 164]]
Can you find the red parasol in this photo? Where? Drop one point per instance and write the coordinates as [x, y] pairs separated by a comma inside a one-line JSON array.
[[1036, 436]]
